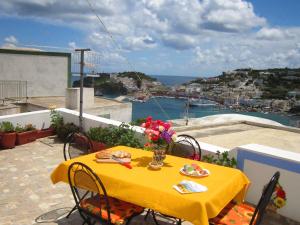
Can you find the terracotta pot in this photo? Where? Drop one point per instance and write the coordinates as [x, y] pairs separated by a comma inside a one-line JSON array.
[[8, 140], [81, 140], [1, 134], [97, 146], [45, 132], [26, 137]]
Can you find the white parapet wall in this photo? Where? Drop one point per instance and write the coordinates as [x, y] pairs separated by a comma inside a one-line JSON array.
[[40, 119], [71, 116], [260, 162]]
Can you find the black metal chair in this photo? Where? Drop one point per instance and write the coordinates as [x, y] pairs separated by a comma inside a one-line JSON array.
[[76, 144], [92, 201], [243, 213], [186, 146]]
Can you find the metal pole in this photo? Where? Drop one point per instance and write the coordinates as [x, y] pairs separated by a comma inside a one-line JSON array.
[[81, 85], [187, 112]]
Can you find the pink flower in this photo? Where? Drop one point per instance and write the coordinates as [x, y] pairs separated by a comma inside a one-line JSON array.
[[158, 132]]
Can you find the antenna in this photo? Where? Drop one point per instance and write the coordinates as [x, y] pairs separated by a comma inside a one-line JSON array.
[[82, 50]]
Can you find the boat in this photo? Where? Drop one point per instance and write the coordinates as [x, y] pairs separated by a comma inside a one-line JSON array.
[[201, 103]]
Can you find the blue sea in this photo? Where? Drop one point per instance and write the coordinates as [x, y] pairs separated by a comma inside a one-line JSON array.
[[171, 108], [172, 80], [175, 108]]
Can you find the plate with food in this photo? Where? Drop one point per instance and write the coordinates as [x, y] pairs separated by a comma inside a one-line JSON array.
[[113, 157], [194, 170], [121, 154]]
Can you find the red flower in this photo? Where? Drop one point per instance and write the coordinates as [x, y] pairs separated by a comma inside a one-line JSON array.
[[154, 137], [281, 193], [167, 126]]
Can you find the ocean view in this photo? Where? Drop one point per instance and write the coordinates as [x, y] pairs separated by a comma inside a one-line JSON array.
[[175, 109], [172, 80]]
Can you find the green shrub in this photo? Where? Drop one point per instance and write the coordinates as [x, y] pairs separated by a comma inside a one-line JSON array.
[[113, 136], [6, 127], [220, 159], [27, 127], [99, 134], [138, 122], [64, 130], [56, 120]]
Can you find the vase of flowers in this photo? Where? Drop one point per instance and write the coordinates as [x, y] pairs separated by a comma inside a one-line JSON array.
[[159, 135], [278, 199]]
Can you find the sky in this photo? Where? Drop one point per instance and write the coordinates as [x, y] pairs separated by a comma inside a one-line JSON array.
[[162, 37]]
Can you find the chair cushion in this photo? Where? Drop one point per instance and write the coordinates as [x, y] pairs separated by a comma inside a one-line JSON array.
[[119, 210], [238, 214]]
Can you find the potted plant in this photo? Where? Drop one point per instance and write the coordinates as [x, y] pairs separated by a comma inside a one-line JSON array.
[[8, 135], [98, 136], [63, 130], [26, 134], [123, 135], [56, 120], [45, 132]]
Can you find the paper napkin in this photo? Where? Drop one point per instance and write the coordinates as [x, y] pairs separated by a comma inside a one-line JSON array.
[[186, 187]]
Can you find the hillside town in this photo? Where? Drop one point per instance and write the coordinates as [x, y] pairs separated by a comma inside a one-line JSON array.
[[270, 90]]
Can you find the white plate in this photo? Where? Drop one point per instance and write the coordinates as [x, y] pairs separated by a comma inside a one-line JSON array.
[[194, 175]]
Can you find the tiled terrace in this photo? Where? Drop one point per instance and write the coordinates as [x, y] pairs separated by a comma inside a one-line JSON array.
[[28, 196]]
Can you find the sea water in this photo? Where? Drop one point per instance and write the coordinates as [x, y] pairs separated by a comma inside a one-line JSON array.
[[172, 108]]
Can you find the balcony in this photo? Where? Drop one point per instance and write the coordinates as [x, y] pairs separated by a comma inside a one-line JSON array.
[[29, 197]]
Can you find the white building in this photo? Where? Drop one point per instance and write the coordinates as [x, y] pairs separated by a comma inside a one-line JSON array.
[[43, 73]]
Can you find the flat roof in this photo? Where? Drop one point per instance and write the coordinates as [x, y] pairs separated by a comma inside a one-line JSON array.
[[25, 51], [234, 133]]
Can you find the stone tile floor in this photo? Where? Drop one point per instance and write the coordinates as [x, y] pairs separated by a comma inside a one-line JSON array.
[[27, 195]]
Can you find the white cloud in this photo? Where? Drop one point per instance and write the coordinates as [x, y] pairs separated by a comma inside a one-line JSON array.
[[210, 35], [273, 34], [231, 15], [179, 41], [230, 51], [11, 39], [138, 43], [72, 45], [156, 19]]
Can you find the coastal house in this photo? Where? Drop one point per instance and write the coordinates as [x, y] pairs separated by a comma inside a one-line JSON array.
[[193, 88]]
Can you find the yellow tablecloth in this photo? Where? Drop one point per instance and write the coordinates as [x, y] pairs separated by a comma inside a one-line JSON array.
[[153, 189]]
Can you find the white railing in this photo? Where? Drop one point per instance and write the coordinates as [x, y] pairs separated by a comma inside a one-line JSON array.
[[13, 89]]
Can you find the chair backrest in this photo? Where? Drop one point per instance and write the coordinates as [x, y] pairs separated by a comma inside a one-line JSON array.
[[264, 200], [87, 187], [187, 147], [76, 144]]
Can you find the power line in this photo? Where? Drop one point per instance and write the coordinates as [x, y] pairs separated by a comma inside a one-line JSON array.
[[118, 47]]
